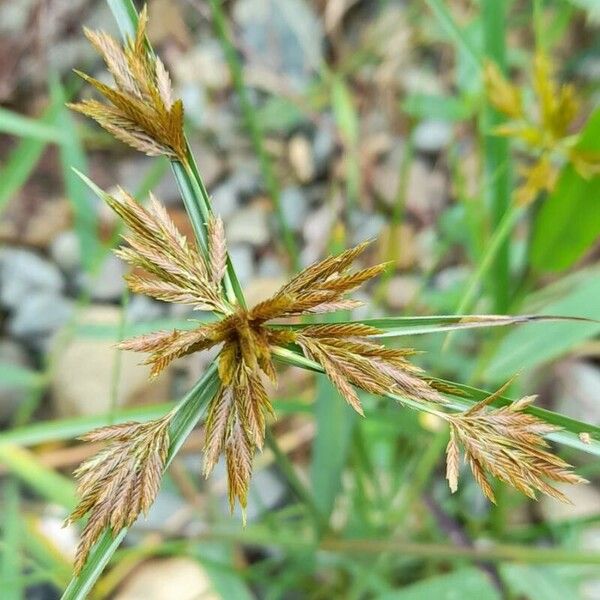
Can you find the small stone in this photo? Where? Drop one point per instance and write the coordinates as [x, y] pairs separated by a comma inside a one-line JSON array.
[[143, 308], [282, 37], [261, 288], [36, 226], [323, 146], [432, 136], [249, 225], [11, 396], [65, 251], [107, 285], [22, 273], [39, 315], [301, 158], [82, 380], [585, 501], [166, 504], [270, 266], [166, 579], [210, 164], [452, 277], [294, 206], [316, 230], [579, 391], [386, 172], [401, 290], [242, 257], [366, 226], [132, 174], [225, 199], [426, 193], [205, 65]]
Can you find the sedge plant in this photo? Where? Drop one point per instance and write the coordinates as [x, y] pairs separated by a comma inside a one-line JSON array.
[[122, 480]]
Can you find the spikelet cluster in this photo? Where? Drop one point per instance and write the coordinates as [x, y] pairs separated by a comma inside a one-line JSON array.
[[140, 109], [174, 271], [509, 445], [546, 134], [121, 481]]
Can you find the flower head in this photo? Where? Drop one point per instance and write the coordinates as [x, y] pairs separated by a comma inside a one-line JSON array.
[[140, 109]]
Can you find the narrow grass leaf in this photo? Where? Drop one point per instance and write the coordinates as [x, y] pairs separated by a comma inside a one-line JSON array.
[[72, 157], [21, 126]]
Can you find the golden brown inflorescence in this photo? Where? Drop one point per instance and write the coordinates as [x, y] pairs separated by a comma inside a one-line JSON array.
[[508, 444], [141, 110], [547, 134]]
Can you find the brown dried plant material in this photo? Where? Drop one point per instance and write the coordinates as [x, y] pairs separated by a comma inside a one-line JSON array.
[[508, 444], [141, 111], [121, 481]]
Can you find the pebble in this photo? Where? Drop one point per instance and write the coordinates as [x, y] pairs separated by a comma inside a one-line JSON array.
[[168, 578], [242, 257], [12, 355], [39, 315], [205, 65], [23, 273], [107, 285], [401, 290], [585, 501], [295, 207], [432, 136], [301, 158], [270, 266], [261, 288], [366, 226], [65, 251], [249, 225], [281, 36], [82, 380], [426, 193], [316, 230], [579, 391], [225, 199], [323, 145], [143, 308]]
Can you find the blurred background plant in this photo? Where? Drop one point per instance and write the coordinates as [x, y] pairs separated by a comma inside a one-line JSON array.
[[316, 125]]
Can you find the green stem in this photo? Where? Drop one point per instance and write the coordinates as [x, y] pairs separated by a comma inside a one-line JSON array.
[[287, 469], [495, 246], [496, 153], [254, 130], [188, 413]]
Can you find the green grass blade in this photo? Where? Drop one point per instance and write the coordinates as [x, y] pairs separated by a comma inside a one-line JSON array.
[[522, 349], [407, 326], [22, 160], [72, 156], [568, 437], [440, 9], [125, 15], [15, 376], [191, 409], [46, 482], [11, 577], [68, 429], [335, 422], [496, 155], [21, 126]]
